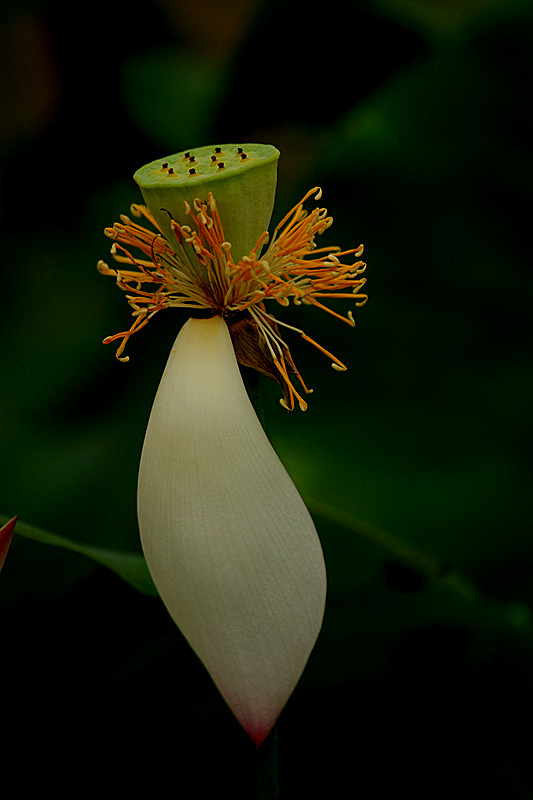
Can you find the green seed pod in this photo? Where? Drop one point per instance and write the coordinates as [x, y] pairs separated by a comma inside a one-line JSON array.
[[242, 179]]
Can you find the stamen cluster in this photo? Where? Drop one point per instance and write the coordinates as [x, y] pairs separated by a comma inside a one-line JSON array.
[[198, 272]]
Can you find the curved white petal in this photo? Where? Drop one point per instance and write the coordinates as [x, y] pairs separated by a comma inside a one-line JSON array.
[[227, 538]]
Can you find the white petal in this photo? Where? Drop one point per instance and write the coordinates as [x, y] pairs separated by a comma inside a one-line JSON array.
[[227, 538]]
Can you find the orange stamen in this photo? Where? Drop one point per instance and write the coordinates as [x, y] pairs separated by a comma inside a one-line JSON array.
[[199, 273]]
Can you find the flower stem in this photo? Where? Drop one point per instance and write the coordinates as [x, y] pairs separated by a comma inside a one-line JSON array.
[[266, 768]]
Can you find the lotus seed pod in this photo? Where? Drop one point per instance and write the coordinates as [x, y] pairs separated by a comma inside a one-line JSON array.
[[242, 178]]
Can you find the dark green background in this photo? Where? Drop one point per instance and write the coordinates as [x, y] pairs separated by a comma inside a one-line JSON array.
[[415, 118]]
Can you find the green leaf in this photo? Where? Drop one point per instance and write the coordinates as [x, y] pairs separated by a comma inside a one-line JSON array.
[[131, 567]]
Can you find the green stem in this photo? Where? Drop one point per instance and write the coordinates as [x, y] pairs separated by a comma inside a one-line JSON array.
[[266, 768]]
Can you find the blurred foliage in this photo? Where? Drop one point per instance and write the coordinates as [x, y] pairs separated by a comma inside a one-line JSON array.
[[415, 118]]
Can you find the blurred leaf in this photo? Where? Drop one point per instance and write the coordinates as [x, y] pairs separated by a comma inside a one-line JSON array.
[[173, 95], [442, 20], [456, 115], [390, 602], [395, 547], [131, 567]]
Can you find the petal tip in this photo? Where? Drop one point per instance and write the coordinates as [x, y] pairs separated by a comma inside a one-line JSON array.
[[6, 534]]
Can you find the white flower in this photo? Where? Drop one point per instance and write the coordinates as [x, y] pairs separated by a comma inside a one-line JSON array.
[[228, 540]]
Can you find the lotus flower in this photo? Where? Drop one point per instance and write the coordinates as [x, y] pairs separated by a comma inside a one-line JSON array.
[[227, 538]]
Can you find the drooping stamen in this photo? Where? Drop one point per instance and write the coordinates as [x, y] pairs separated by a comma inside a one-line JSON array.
[[199, 273]]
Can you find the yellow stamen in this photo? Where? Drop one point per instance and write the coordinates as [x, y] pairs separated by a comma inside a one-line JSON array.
[[292, 391], [199, 273]]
